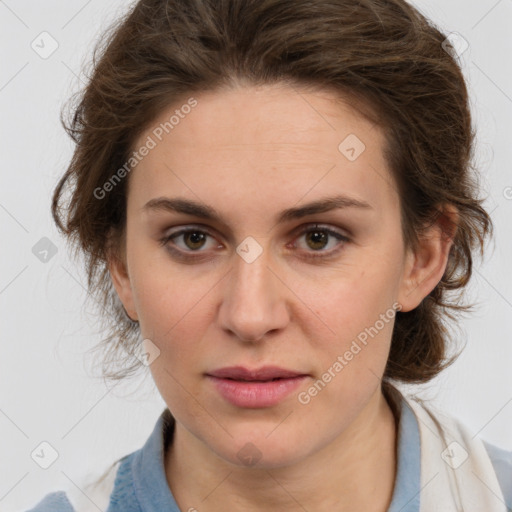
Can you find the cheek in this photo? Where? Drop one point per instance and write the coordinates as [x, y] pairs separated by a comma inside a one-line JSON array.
[[350, 362], [169, 307], [360, 314], [173, 316], [349, 304]]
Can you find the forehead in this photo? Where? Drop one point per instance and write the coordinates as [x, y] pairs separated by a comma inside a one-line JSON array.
[[265, 145]]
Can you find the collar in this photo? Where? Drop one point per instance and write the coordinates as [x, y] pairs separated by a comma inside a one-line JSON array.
[[145, 467]]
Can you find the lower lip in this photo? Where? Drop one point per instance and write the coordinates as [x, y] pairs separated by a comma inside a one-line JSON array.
[[256, 394]]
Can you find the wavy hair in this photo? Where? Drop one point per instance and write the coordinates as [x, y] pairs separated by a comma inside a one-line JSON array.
[[384, 55]]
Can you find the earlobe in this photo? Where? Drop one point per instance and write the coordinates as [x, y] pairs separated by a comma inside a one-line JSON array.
[[426, 264], [123, 285]]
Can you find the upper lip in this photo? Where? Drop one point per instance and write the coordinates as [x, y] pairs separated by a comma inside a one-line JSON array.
[[263, 373]]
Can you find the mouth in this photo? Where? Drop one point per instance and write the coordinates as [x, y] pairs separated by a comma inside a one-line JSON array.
[[257, 380], [259, 388], [263, 374]]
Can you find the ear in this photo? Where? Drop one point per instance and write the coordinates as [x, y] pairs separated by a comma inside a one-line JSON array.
[[117, 267], [426, 263]]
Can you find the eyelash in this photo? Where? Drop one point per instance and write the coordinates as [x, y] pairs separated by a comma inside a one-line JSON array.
[[312, 228]]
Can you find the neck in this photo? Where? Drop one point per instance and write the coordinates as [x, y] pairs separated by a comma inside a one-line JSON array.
[[356, 471]]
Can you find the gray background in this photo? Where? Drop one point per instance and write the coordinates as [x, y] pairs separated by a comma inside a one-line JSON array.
[[46, 393]]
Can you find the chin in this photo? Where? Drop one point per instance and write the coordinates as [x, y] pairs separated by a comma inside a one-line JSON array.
[[261, 453]]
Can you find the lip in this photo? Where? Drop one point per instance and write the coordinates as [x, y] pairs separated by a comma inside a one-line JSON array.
[[265, 373], [255, 388]]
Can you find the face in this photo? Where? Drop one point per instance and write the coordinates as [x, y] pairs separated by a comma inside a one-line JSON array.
[[313, 291]]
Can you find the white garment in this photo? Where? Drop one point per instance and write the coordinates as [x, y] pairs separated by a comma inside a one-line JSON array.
[[456, 471]]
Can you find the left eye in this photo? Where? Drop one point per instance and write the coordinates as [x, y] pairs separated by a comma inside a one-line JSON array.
[[319, 239], [194, 239]]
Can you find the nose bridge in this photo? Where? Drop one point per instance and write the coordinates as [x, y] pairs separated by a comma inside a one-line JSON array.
[[253, 302]]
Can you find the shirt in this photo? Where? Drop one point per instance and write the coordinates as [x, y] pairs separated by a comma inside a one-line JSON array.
[[140, 483]]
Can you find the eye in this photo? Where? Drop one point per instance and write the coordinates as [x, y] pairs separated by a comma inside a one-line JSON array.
[[318, 238], [193, 240]]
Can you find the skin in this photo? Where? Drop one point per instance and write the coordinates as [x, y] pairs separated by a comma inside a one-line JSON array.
[[251, 152]]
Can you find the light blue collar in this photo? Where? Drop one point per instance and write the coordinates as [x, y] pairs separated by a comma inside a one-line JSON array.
[[141, 484]]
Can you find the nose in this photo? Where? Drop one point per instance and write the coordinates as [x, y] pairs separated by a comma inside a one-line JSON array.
[[254, 302]]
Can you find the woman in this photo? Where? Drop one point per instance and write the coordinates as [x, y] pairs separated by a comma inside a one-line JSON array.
[[276, 203]]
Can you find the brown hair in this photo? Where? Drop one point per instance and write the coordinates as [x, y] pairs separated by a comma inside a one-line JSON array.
[[383, 54]]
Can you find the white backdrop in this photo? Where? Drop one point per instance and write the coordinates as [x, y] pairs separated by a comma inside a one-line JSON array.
[[46, 392]]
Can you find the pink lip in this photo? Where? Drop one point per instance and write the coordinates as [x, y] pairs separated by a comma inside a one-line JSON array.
[[255, 388], [264, 373]]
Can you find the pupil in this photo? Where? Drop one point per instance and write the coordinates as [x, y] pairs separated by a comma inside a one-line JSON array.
[[317, 237], [196, 239]]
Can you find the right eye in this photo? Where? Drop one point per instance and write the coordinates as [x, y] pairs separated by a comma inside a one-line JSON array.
[[184, 242]]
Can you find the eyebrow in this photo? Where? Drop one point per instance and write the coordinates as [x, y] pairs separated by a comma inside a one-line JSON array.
[[205, 211]]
